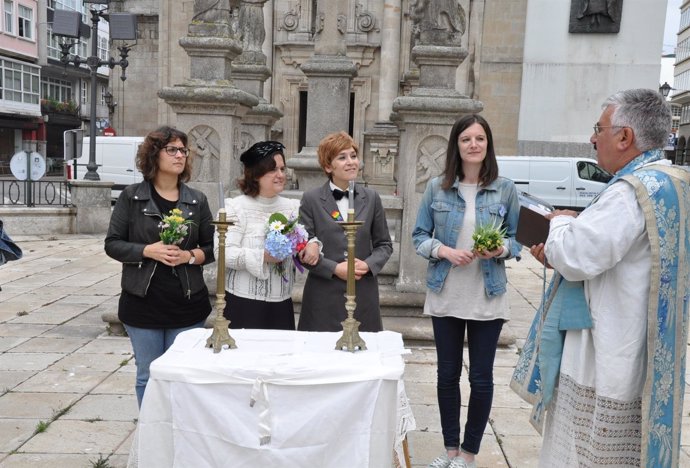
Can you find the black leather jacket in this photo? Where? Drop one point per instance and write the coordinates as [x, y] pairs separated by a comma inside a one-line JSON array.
[[134, 224]]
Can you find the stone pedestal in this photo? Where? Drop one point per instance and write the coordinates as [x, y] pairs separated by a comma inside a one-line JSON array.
[[380, 157], [92, 199], [258, 121], [328, 111], [210, 108]]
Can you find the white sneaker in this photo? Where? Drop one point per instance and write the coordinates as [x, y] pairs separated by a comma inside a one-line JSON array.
[[459, 462], [441, 462]]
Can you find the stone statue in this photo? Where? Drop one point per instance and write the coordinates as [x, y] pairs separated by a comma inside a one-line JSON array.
[[252, 33], [438, 22], [211, 11]]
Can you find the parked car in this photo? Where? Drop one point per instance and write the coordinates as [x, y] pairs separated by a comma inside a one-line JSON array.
[[562, 182], [115, 157]]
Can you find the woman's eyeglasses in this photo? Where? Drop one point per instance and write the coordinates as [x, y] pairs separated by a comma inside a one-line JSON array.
[[172, 151]]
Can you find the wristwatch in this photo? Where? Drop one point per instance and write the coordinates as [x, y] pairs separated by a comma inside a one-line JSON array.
[[192, 259]]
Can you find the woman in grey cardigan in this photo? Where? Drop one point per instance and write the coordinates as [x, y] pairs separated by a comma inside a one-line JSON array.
[[323, 303]]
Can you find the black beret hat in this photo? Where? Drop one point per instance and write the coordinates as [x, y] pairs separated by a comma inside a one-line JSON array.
[[261, 150]]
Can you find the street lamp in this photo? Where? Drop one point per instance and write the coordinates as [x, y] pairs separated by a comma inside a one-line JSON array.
[[122, 26], [108, 97], [665, 89]]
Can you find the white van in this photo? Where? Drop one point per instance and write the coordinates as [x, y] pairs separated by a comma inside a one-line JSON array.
[[563, 182], [115, 157]]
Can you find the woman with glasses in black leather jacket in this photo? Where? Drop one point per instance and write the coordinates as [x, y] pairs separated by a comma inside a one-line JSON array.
[[163, 289]]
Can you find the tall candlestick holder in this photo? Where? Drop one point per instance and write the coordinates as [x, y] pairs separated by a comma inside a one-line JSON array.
[[221, 336], [350, 341]]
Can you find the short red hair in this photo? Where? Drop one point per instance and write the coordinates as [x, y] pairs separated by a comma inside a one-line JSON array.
[[331, 145]]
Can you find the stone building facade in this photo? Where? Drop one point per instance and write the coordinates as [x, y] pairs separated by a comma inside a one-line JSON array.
[[379, 41]]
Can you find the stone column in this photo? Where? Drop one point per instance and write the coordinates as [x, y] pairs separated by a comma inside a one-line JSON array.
[[330, 74], [208, 105], [390, 58], [249, 71], [381, 141]]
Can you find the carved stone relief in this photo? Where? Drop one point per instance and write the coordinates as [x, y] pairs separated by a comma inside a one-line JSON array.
[[291, 18], [384, 161], [205, 142], [318, 21], [342, 24], [246, 140], [595, 16], [365, 20], [236, 145], [431, 154], [299, 16]]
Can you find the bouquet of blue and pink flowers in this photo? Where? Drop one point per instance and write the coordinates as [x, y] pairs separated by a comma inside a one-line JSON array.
[[284, 238]]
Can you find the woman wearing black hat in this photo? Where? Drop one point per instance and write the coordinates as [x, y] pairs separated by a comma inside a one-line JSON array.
[[258, 286]]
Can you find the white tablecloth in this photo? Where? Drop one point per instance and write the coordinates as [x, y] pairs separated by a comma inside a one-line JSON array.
[[281, 399]]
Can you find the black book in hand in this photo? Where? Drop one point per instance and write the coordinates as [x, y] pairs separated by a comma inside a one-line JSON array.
[[533, 227]]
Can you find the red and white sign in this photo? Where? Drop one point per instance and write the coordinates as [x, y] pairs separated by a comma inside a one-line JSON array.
[[109, 131]]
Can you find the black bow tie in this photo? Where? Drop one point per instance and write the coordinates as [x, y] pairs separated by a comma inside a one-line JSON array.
[[339, 194]]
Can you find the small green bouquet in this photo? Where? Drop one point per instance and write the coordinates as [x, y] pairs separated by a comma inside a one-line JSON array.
[[488, 237], [173, 227]]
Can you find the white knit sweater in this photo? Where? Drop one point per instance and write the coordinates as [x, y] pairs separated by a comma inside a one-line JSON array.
[[247, 275]]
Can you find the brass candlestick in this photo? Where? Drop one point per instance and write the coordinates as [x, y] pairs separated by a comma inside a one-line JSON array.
[[350, 341], [221, 335]]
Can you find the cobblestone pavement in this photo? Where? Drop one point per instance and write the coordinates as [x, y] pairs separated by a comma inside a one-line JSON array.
[[67, 387]]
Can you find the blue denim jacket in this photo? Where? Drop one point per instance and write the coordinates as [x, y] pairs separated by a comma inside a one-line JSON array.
[[438, 223]]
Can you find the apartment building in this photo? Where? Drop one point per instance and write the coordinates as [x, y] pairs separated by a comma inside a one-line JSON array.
[[41, 97]]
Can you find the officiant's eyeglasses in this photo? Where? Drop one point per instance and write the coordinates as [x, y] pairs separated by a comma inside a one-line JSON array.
[[597, 128]]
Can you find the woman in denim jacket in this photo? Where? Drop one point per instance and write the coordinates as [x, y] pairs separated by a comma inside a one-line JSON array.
[[466, 288]]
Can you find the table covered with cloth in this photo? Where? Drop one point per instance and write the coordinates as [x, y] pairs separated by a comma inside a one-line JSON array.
[[282, 398]]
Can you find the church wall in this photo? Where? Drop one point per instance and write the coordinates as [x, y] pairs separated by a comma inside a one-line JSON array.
[[499, 77], [566, 76]]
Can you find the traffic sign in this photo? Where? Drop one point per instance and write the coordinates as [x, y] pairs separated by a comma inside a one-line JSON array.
[[30, 166]]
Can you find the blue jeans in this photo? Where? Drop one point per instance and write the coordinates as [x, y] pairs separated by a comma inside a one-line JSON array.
[[482, 340], [149, 344]]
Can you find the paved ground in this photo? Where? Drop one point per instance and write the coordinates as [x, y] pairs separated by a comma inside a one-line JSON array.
[[67, 388]]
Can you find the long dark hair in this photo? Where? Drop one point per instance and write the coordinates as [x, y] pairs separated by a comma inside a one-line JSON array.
[[147, 154], [489, 171]]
